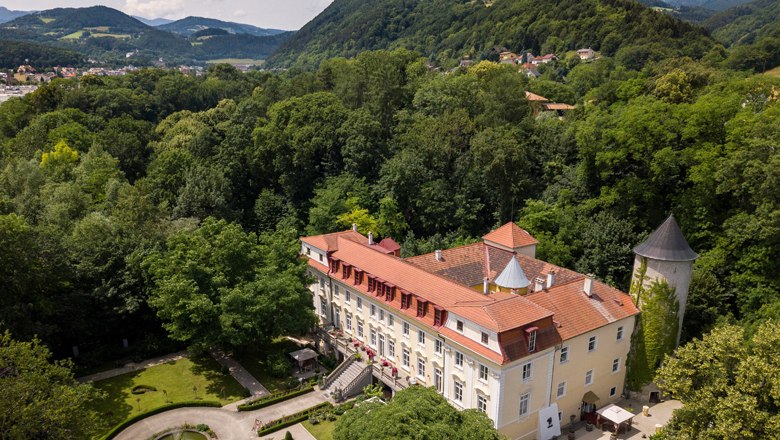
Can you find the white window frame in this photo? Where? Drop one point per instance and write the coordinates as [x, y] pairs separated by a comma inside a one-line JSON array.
[[406, 329], [373, 311], [347, 296], [348, 322], [481, 404], [459, 325], [438, 380], [564, 355], [406, 358], [359, 302], [484, 372], [391, 348], [561, 390], [420, 338], [390, 320], [589, 377], [592, 344], [525, 404], [619, 336], [372, 335], [421, 368], [457, 394], [438, 346], [528, 371], [612, 391], [485, 338], [459, 359], [616, 365]]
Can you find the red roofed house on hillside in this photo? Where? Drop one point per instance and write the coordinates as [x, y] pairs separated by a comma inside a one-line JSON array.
[[487, 324]]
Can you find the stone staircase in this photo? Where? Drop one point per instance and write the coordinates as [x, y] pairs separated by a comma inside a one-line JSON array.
[[347, 380]]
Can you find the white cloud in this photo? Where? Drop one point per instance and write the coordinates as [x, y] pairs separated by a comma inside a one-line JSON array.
[[155, 8]]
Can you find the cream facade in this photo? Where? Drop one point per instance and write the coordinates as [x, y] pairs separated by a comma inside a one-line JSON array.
[[509, 370]]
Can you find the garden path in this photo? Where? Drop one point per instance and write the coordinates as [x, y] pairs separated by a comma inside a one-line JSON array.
[[228, 425], [132, 366], [242, 376]]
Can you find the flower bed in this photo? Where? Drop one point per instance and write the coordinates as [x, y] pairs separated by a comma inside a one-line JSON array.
[[286, 421], [274, 398]]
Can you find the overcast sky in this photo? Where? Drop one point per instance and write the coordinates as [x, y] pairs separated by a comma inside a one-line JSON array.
[[277, 14]]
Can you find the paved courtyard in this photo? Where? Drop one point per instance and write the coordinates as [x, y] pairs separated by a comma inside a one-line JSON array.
[[642, 427]]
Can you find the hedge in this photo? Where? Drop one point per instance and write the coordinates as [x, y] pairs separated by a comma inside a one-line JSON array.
[[118, 428], [272, 399], [287, 421]]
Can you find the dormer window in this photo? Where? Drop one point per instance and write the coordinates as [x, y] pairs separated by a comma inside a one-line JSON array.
[[406, 300], [531, 335], [389, 292], [346, 271], [358, 277], [439, 316], [334, 264], [371, 283], [422, 307]]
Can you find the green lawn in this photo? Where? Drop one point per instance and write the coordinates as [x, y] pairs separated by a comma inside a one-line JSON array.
[[74, 36], [320, 431], [176, 381], [255, 363]]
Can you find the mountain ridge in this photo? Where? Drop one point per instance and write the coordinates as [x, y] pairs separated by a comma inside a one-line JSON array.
[[445, 30], [191, 24]]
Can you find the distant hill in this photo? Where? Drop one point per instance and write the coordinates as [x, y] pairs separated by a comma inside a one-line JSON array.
[[746, 23], [445, 30], [714, 5], [8, 15], [153, 21], [15, 53], [190, 25], [113, 37]]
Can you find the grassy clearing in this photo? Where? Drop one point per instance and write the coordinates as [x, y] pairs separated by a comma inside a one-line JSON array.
[[118, 36], [98, 29], [74, 36], [773, 72], [320, 431], [248, 61], [176, 381], [256, 363], [46, 20]]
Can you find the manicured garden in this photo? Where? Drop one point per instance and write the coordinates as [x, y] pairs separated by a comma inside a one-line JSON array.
[[270, 364], [184, 380], [322, 430]]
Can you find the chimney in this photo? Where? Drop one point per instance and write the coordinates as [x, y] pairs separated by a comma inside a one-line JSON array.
[[439, 257], [588, 286], [371, 238], [550, 278], [538, 284], [354, 227], [486, 286]]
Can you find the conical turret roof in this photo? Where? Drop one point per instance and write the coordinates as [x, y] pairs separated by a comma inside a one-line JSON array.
[[667, 243], [512, 277]]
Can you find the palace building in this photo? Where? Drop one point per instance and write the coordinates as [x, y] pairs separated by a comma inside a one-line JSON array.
[[533, 345]]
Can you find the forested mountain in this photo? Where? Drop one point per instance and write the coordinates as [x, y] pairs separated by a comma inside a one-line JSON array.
[[189, 25], [109, 35], [17, 53], [713, 5], [747, 23], [448, 29], [8, 15]]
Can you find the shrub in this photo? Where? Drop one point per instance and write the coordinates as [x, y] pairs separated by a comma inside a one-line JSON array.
[[203, 427], [279, 424], [288, 436], [141, 389], [271, 399], [278, 365]]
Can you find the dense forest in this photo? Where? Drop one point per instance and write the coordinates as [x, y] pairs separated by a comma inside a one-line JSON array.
[[165, 209], [446, 30]]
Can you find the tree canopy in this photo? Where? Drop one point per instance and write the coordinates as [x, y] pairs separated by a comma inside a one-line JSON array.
[[415, 413], [41, 399]]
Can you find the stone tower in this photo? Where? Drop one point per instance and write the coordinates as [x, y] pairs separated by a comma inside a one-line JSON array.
[[666, 255]]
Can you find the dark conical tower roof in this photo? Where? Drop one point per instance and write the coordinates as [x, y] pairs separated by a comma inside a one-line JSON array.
[[667, 243]]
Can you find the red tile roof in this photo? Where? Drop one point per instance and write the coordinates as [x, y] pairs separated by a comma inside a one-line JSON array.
[[534, 97], [511, 236], [329, 242], [459, 299]]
